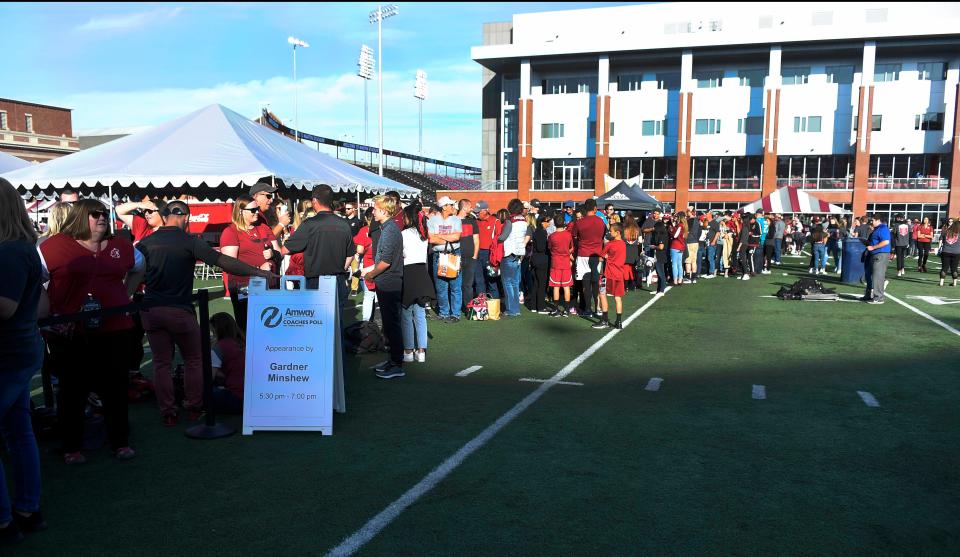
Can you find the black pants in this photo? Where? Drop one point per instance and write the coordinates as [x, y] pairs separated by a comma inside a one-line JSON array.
[[389, 301], [540, 276], [746, 260], [136, 338], [661, 275], [901, 255], [468, 267], [924, 249], [949, 263], [767, 255], [239, 307], [95, 362], [591, 284]]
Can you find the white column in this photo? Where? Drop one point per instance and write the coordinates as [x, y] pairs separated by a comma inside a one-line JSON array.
[[525, 78], [686, 71], [603, 86], [773, 82], [866, 80], [522, 111]]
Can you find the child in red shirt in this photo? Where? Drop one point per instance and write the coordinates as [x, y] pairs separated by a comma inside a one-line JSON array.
[[560, 246], [615, 254]]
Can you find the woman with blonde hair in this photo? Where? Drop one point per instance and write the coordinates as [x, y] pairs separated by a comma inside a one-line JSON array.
[[56, 215], [21, 355], [250, 241], [92, 269]]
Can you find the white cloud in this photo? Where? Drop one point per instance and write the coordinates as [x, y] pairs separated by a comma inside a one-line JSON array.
[[330, 106], [129, 21]]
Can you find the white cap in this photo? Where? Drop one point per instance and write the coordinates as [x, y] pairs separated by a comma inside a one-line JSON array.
[[444, 201]]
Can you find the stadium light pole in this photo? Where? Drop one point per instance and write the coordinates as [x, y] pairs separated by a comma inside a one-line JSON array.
[[296, 91], [420, 93], [377, 16], [365, 70]]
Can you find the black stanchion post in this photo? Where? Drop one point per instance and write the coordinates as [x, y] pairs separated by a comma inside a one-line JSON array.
[[210, 429]]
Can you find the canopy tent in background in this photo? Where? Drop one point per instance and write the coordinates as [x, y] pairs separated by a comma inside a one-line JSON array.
[[199, 154], [9, 163], [625, 197], [790, 199]]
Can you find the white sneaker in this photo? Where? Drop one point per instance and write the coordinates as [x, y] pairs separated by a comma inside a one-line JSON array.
[[521, 297], [811, 271], [745, 277], [421, 356], [658, 295], [765, 272], [408, 356]]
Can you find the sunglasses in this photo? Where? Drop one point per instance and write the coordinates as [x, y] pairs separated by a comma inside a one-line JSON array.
[[267, 195], [99, 214], [251, 209], [149, 212]]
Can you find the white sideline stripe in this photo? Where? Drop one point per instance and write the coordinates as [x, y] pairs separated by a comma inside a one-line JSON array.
[[468, 371], [759, 392], [529, 380], [922, 314], [373, 527], [145, 362], [654, 384], [868, 399]]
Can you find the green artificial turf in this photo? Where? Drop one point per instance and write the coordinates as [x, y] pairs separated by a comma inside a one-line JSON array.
[[606, 468]]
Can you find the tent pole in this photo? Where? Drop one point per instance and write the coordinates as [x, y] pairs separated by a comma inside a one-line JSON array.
[[359, 212], [112, 217]]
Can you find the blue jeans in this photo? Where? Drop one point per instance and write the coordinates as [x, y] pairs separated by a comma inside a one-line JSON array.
[[776, 249], [833, 246], [712, 259], [449, 291], [510, 272], [483, 283], [413, 323], [819, 257], [676, 263], [21, 445]]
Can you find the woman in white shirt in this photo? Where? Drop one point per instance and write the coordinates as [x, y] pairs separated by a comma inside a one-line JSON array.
[[418, 289]]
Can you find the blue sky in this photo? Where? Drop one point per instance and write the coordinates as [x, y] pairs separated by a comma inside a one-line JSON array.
[[133, 65]]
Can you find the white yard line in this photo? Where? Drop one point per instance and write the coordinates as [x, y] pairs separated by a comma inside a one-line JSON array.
[[358, 539], [654, 384], [868, 399], [468, 371], [922, 314], [759, 392], [530, 380]]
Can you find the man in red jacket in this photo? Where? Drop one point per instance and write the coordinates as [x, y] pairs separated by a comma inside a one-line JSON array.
[[588, 233], [488, 229]]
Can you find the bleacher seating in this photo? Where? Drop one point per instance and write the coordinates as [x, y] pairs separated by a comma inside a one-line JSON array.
[[428, 184], [452, 183]]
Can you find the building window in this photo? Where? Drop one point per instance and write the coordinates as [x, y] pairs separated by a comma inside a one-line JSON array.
[[708, 79], [796, 76], [551, 131], [932, 71], [806, 124], [929, 122], [886, 72], [653, 127], [562, 86], [3, 120], [876, 123], [752, 78], [708, 126], [668, 80], [611, 129], [29, 118], [591, 129], [839, 74], [629, 82], [751, 125]]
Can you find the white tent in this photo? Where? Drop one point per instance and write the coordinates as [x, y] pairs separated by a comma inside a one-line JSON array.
[[9, 163], [209, 148]]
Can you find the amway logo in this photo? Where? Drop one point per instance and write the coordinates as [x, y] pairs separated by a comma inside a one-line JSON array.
[[270, 317]]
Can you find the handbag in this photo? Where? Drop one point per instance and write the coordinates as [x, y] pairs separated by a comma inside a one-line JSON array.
[[493, 309], [448, 264]]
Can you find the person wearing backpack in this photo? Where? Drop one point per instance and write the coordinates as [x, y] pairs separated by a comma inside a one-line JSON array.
[[901, 242]]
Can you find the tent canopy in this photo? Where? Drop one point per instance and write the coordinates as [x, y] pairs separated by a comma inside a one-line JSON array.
[[9, 163], [209, 147], [625, 197], [790, 199]]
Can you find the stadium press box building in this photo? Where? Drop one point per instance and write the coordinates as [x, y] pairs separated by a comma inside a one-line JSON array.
[[717, 105]]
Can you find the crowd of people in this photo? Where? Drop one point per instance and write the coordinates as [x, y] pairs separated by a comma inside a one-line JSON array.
[[417, 264]]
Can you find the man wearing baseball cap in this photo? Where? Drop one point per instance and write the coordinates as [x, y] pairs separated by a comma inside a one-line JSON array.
[[444, 235], [488, 228], [263, 194], [568, 207]]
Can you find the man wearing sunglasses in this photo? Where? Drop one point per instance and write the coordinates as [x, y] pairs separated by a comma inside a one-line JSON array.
[[170, 254], [141, 226], [265, 195]]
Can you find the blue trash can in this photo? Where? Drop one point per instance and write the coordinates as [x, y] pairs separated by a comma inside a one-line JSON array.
[[851, 268]]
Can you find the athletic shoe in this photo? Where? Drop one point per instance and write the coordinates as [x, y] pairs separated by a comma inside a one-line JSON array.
[[745, 277], [572, 311], [709, 276], [875, 302], [407, 357], [393, 372], [421, 356], [601, 325], [382, 366], [124, 453], [652, 292], [618, 324], [452, 319], [29, 524], [810, 270], [659, 294], [765, 272]]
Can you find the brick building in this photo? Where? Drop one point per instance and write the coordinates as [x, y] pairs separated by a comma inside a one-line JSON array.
[[716, 105], [36, 132]]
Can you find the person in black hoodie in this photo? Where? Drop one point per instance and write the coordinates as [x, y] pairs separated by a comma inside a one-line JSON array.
[[661, 245], [540, 265]]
